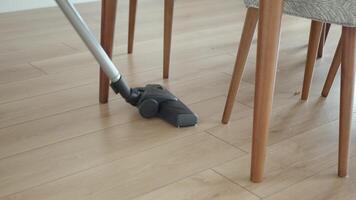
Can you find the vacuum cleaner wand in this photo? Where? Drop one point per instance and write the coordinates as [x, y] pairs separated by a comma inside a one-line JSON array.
[[152, 100]]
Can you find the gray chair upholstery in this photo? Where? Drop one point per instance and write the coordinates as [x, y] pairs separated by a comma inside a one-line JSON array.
[[341, 12]]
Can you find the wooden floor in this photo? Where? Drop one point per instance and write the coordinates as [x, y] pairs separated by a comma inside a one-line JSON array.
[[57, 142]]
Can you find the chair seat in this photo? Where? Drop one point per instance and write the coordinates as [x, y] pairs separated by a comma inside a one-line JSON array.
[[342, 12]]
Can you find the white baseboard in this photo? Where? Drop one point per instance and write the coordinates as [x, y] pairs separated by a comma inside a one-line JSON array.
[[16, 5]]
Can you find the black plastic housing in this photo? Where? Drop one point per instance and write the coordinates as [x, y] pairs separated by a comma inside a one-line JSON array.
[[156, 101], [177, 114], [131, 96]]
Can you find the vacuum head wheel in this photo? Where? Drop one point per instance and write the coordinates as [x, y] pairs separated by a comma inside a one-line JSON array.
[[148, 108]]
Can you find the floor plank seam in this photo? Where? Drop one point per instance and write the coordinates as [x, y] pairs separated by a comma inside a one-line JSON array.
[[114, 160], [37, 68], [237, 100], [71, 47], [242, 103], [297, 182], [297, 134], [51, 115], [272, 144], [304, 132], [211, 134], [235, 183], [68, 139], [92, 167], [46, 93], [167, 184], [207, 99], [173, 62], [158, 39]]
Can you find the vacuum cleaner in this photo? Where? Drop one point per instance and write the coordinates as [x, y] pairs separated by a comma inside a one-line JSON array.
[[152, 100]]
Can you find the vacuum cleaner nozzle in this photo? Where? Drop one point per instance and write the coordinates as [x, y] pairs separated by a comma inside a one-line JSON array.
[[156, 101]]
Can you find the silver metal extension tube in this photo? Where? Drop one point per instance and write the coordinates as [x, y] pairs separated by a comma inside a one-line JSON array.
[[89, 39]]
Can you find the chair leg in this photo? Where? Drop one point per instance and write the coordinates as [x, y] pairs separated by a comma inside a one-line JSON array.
[[270, 16], [108, 17], [327, 30], [348, 66], [314, 39], [322, 42], [132, 22], [168, 22], [324, 35], [333, 70], [242, 53]]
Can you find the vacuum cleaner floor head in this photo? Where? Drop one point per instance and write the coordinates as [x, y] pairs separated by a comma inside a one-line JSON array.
[[156, 101]]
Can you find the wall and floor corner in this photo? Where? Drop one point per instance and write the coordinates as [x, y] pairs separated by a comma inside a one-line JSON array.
[[16, 5]]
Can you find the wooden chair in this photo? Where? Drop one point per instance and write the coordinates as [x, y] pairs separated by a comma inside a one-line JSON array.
[[331, 12], [108, 19], [317, 36]]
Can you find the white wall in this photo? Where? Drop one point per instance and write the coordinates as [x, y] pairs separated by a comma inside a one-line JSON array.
[[15, 5]]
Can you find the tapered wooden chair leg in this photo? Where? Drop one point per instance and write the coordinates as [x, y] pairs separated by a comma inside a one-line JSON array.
[[333, 70], [348, 66], [266, 68], [314, 39], [132, 22], [322, 41], [324, 36], [242, 53], [108, 17], [327, 30], [168, 24]]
